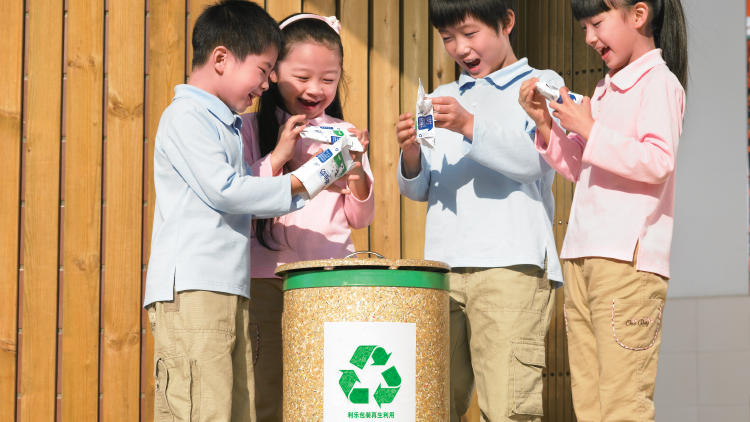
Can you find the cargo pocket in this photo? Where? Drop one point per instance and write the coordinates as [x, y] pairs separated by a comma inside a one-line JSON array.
[[636, 324], [177, 389], [526, 383]]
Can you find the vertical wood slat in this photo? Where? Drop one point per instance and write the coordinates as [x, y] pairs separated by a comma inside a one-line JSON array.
[[195, 8], [384, 105], [11, 61], [166, 68], [279, 9], [415, 66], [42, 192], [545, 20], [533, 33], [354, 37], [123, 212], [82, 218], [320, 7], [443, 66]]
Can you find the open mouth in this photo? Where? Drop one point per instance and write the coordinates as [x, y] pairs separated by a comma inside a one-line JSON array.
[[472, 64], [604, 51], [308, 103]]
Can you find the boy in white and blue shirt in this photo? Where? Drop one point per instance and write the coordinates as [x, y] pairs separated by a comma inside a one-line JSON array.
[[489, 214], [198, 280]]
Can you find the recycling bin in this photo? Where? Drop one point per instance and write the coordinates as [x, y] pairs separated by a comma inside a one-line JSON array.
[[365, 339]]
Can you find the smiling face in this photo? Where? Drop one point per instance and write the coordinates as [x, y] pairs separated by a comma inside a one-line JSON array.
[[614, 35], [308, 78], [477, 48], [243, 80]]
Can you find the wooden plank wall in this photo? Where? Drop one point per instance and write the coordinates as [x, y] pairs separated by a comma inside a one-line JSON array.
[[11, 141], [84, 84]]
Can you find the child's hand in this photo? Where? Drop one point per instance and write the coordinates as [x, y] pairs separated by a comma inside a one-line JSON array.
[[364, 138], [535, 106], [449, 114], [407, 141], [287, 140], [357, 181], [574, 117]]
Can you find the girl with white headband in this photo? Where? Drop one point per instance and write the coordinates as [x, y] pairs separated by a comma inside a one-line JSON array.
[[304, 91]]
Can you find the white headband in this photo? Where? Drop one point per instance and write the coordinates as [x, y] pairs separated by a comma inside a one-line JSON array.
[[332, 21]]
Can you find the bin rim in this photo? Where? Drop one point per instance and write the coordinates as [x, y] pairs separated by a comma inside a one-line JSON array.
[[359, 263]]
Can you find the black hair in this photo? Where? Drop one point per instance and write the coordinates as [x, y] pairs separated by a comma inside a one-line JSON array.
[[667, 25], [303, 30], [243, 27], [493, 13]]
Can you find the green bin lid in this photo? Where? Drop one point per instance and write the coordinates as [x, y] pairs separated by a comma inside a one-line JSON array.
[[365, 272]]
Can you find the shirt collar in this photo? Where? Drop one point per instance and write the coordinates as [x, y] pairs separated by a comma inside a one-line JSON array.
[[500, 79], [629, 75], [212, 103]]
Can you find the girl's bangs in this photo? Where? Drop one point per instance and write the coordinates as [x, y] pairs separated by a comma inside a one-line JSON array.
[[583, 9]]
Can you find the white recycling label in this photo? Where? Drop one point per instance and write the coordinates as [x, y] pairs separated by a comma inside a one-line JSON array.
[[369, 371]]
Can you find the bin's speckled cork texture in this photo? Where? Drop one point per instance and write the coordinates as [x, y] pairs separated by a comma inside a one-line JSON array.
[[307, 310]]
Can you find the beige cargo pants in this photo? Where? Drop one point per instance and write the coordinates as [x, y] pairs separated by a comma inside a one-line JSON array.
[[203, 362], [498, 320]]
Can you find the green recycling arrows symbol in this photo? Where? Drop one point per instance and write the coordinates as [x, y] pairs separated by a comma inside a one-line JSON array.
[[359, 359]]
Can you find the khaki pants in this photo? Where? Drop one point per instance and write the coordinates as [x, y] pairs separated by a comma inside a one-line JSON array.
[[266, 305], [613, 320], [203, 361], [499, 318]]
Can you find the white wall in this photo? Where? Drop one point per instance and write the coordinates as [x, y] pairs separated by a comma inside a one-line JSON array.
[[710, 244], [704, 364]]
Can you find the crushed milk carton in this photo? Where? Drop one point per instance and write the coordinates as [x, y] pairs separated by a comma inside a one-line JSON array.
[[330, 135], [553, 94], [425, 120], [328, 166]]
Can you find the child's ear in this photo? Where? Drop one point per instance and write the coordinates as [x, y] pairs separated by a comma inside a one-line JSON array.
[[219, 58], [273, 76], [640, 14], [510, 22]]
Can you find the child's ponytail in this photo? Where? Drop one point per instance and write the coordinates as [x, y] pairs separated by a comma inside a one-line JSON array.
[[670, 34]]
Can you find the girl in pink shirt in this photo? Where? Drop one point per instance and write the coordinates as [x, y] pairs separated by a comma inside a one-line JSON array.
[[620, 151], [303, 92]]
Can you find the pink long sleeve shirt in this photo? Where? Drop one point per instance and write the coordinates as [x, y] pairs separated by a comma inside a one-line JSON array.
[[624, 173], [321, 229]]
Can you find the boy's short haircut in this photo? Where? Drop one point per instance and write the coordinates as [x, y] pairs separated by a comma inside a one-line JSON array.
[[493, 13], [243, 27]]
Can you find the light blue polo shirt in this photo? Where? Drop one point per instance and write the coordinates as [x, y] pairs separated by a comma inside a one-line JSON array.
[[489, 200], [205, 200]]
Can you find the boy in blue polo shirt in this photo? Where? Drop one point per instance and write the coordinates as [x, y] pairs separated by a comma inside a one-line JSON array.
[[198, 281], [490, 212]]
